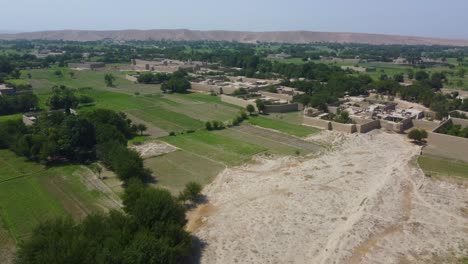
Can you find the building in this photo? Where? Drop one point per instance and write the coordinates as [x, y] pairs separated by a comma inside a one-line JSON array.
[[5, 90]]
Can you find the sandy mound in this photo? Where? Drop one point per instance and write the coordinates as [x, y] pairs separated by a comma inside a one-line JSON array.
[[152, 149], [362, 202]]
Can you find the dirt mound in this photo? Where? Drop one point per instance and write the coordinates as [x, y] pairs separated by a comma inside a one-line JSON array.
[[154, 148], [361, 202]]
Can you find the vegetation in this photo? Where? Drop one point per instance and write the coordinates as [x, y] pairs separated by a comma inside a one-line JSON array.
[[151, 231], [250, 108], [343, 117], [150, 78], [177, 83], [288, 128], [417, 135], [454, 130], [191, 192], [18, 103], [109, 79], [437, 166]]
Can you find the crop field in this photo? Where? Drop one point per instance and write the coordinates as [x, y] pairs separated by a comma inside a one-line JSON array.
[[174, 170], [440, 167], [218, 148], [295, 118], [266, 139], [42, 80], [288, 128], [30, 193]]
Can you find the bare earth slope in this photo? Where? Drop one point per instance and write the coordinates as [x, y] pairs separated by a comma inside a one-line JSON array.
[[239, 36], [360, 203]]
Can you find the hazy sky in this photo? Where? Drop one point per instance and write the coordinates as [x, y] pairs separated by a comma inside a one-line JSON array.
[[436, 18]]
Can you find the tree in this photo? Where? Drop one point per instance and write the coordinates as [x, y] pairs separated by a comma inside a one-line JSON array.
[[177, 83], [72, 74], [191, 192], [417, 135], [398, 77], [109, 79], [461, 72], [62, 98], [142, 128], [250, 108], [58, 73], [208, 125], [260, 105]]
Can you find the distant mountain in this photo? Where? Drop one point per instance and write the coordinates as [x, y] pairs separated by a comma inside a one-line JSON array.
[[239, 36]]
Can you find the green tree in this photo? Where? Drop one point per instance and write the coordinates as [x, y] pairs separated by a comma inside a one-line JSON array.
[[142, 128], [260, 105], [191, 192], [417, 135], [250, 108], [109, 79], [208, 125]]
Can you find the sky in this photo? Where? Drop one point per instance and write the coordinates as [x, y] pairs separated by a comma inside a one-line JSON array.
[[431, 18]]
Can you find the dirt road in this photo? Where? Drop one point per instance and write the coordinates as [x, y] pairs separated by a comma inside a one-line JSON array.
[[362, 202]]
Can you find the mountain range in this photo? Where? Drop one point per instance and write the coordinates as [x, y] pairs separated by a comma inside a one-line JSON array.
[[297, 37]]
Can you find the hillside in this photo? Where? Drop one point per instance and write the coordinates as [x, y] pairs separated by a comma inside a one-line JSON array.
[[239, 36]]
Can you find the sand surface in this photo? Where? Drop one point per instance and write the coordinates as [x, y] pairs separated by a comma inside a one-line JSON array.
[[363, 201]]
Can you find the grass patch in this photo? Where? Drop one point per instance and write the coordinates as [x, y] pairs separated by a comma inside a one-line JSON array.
[[270, 144], [30, 193], [139, 140], [173, 170], [220, 148], [441, 167], [167, 120], [285, 127], [11, 117]]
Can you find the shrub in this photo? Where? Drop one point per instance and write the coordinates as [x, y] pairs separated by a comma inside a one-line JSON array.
[[208, 125]]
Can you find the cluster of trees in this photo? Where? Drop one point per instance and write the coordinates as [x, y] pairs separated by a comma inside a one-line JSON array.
[[239, 118], [454, 130], [152, 78], [18, 103], [343, 117], [7, 69], [61, 137], [149, 231], [65, 98], [319, 94], [177, 83], [214, 125]]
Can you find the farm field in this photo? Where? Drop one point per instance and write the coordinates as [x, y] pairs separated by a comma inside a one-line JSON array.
[[30, 193], [295, 118], [441, 167], [43, 79], [285, 127], [219, 148], [173, 170]]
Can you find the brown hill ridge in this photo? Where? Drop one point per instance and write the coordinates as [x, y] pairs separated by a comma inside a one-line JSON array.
[[239, 36]]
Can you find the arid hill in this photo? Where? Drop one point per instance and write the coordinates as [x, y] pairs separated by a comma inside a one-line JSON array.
[[239, 36]]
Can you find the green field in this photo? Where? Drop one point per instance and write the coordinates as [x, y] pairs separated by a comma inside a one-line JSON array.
[[219, 148], [30, 193], [10, 117], [43, 79], [440, 167], [285, 127], [175, 169], [270, 144]]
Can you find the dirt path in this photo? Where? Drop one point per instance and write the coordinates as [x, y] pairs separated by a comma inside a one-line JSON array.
[[362, 202]]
